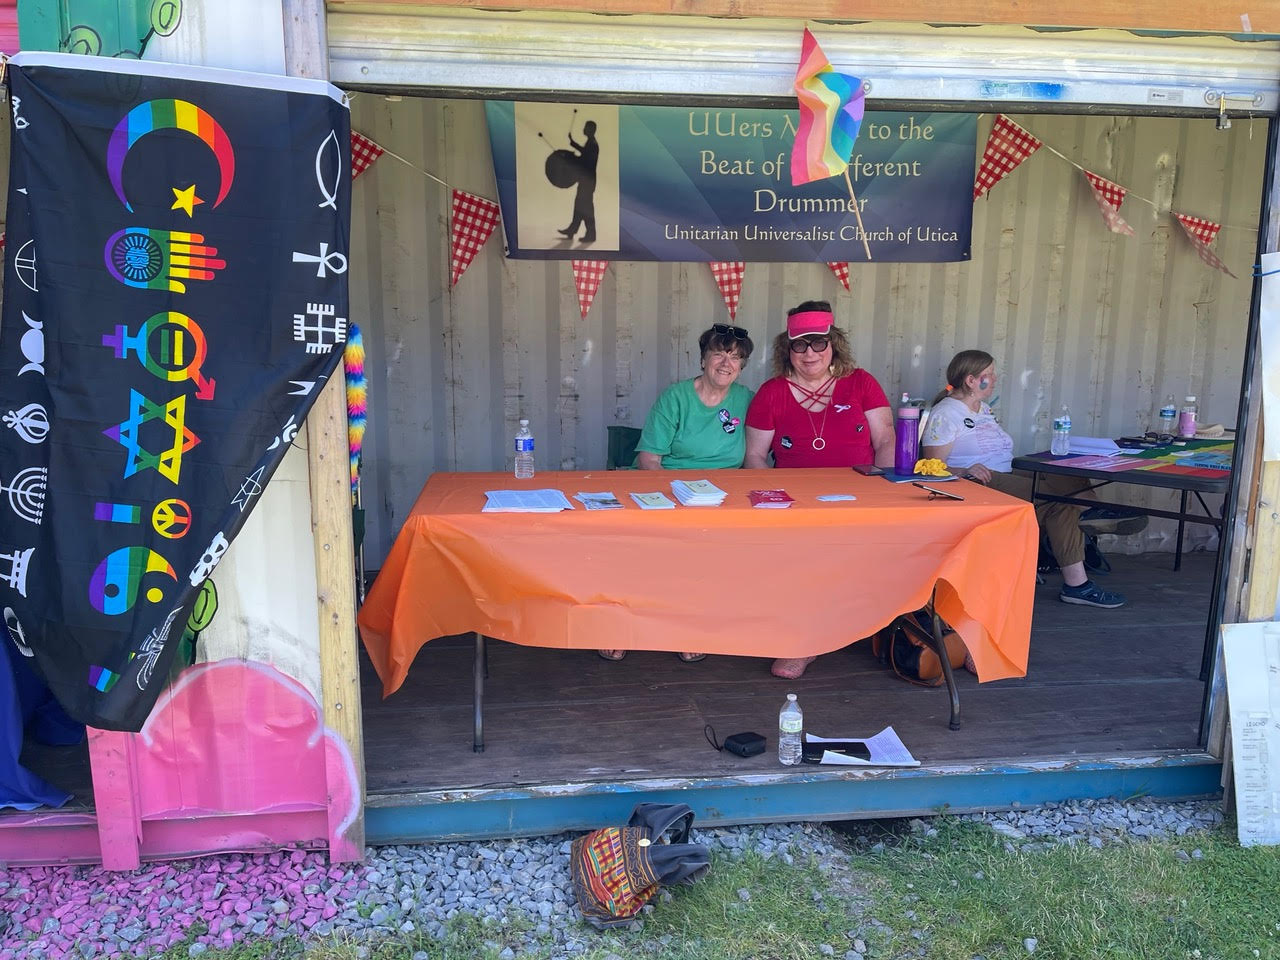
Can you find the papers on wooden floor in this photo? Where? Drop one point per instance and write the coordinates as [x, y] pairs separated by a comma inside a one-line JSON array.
[[599, 501], [1096, 446], [887, 750], [698, 493], [653, 501], [526, 501]]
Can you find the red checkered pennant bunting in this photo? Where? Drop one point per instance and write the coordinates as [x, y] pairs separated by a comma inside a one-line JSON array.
[[1109, 196], [473, 221], [1205, 230], [587, 275], [363, 152], [841, 269], [1007, 146], [728, 274], [1195, 234]]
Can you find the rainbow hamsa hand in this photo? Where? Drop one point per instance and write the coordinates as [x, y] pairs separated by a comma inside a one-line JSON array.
[[160, 259]]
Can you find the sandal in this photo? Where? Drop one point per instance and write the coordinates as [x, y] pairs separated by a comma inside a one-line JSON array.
[[792, 668], [691, 657], [614, 655]]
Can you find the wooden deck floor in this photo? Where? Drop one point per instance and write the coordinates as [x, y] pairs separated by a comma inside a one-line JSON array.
[[1099, 681]]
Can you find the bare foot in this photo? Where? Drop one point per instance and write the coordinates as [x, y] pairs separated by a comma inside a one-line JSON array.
[[791, 669]]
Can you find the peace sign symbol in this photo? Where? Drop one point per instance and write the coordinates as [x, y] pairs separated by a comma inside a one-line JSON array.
[[171, 518]]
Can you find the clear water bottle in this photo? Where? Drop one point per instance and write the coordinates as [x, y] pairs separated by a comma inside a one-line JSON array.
[[1061, 444], [1187, 417], [1168, 415], [790, 730], [524, 452]]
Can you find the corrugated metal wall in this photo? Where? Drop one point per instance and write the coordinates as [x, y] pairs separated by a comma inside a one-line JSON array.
[[1074, 314]]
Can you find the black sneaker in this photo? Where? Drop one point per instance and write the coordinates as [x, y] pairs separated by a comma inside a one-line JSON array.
[[1089, 594], [1115, 520]]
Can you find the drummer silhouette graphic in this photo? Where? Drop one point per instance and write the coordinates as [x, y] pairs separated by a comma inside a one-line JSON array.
[[578, 167], [567, 175]]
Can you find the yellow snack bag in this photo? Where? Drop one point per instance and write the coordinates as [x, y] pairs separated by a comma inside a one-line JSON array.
[[932, 467]]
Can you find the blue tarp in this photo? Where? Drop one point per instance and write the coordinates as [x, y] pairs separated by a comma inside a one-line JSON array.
[[25, 703]]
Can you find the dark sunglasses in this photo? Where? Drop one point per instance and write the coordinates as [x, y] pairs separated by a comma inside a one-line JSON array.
[[727, 329], [817, 344]]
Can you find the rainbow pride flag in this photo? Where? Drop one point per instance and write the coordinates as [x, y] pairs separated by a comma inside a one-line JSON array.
[[831, 106]]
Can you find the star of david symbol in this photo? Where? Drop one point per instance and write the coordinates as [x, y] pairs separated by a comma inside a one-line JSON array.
[[168, 463]]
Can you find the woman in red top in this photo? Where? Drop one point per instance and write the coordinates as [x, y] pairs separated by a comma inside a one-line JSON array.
[[819, 410]]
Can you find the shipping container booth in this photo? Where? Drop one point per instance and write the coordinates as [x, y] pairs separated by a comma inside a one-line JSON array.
[[1116, 702]]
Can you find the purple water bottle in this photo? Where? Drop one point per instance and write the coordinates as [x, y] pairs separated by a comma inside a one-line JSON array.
[[907, 448]]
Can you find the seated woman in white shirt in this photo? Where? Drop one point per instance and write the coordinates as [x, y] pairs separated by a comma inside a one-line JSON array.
[[962, 431]]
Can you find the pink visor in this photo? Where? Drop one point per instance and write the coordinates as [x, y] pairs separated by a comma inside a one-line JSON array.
[[808, 323]]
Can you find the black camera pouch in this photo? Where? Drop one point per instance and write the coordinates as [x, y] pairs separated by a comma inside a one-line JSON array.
[[743, 744]]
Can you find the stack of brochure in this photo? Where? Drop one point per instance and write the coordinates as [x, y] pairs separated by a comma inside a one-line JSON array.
[[599, 501], [526, 501], [697, 493], [653, 501]]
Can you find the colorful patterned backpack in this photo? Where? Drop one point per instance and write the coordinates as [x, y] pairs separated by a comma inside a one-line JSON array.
[[617, 870]]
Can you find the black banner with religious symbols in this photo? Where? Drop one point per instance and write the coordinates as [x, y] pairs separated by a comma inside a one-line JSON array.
[[175, 297]]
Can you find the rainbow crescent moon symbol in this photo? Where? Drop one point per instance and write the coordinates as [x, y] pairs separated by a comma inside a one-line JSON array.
[[168, 115]]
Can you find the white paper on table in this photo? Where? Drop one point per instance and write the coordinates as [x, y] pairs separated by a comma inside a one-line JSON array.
[[887, 750], [526, 501], [1269, 340], [1097, 446]]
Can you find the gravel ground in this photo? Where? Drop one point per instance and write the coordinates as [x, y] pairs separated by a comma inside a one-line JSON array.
[[80, 912]]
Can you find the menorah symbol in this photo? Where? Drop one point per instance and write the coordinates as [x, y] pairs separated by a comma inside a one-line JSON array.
[[26, 493], [17, 575]]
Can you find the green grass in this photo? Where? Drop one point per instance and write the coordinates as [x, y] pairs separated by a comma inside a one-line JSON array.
[[972, 897], [969, 894]]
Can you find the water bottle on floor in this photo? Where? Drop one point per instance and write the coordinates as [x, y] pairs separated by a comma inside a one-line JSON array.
[[790, 730], [1168, 415], [1061, 444], [524, 452]]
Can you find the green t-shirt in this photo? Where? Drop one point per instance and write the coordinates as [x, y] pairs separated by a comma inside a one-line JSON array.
[[689, 435]]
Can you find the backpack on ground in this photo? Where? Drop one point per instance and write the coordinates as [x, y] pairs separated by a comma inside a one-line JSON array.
[[617, 870], [906, 646]]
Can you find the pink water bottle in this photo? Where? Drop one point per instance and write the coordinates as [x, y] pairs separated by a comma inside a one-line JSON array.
[[906, 449]]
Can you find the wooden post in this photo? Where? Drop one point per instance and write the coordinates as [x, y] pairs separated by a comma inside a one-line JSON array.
[[307, 55], [115, 795]]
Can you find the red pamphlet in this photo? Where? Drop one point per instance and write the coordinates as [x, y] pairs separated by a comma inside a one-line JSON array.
[[770, 498]]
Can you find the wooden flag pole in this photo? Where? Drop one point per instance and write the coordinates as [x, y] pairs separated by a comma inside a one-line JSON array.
[[857, 213]]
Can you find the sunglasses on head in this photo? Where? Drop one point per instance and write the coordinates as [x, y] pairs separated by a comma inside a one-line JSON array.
[[729, 330], [817, 344]]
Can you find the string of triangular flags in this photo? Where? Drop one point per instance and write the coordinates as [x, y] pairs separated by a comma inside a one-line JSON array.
[[473, 220], [1009, 145]]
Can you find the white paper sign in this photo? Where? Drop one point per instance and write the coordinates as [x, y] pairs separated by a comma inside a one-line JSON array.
[[1269, 333], [1252, 654]]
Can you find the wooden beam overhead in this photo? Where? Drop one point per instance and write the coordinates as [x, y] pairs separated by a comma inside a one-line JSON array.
[[1192, 16]]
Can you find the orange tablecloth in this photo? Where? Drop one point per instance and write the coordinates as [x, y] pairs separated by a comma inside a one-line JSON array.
[[731, 579]]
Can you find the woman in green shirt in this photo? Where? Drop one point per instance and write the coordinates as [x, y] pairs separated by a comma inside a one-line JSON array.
[[698, 424]]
